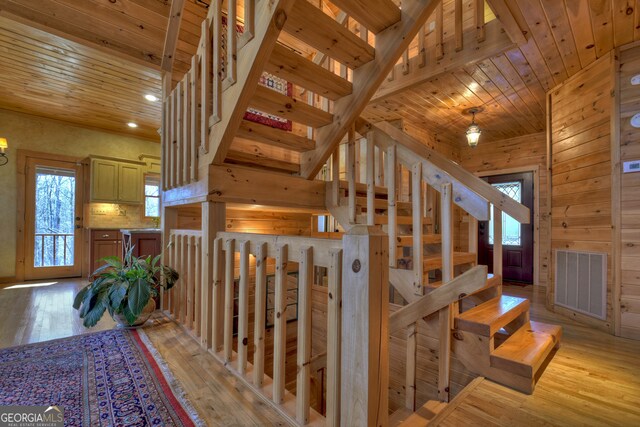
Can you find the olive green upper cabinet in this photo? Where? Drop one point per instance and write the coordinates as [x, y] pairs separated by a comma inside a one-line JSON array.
[[116, 182]]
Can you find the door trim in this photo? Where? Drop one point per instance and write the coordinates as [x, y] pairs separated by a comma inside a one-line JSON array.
[[21, 161], [535, 170]]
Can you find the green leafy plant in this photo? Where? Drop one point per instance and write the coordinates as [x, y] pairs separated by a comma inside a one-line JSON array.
[[123, 287]]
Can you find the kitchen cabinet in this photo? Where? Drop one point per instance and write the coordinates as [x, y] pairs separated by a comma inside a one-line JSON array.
[[116, 181], [145, 242], [104, 243]]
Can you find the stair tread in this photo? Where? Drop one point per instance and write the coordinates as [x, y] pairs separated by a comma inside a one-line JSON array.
[[294, 68], [427, 239], [317, 29], [421, 416], [274, 137], [490, 278], [525, 351], [272, 102], [433, 262], [362, 188], [381, 204], [258, 161], [376, 15], [487, 318]]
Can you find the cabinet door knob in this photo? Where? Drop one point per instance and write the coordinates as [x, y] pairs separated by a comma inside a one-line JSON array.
[[104, 236]]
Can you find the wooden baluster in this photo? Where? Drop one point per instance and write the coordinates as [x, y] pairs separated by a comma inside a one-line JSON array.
[[379, 167], [191, 268], [422, 50], [186, 129], [205, 82], [479, 17], [166, 143], [260, 306], [174, 263], [497, 242], [473, 237], [197, 278], [405, 62], [410, 377], [243, 308], [459, 30], [168, 261], [216, 65], [334, 334], [416, 211], [217, 300], [280, 323], [232, 42], [249, 21], [444, 315], [365, 337], [179, 133], [439, 32], [303, 380], [391, 202], [335, 177], [371, 185], [351, 175], [194, 125], [172, 139], [228, 298]]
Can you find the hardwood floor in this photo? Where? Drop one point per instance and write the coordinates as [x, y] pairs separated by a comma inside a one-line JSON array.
[[43, 311], [594, 378]]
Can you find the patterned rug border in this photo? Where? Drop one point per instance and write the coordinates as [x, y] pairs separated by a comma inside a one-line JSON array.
[[174, 385]]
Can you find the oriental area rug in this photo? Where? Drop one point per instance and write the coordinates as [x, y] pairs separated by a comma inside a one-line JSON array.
[[110, 378]]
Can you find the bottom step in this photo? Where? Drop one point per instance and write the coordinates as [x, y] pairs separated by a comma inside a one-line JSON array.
[[404, 417], [524, 352]]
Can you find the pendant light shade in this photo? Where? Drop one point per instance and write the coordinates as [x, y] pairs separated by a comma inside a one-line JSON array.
[[473, 131]]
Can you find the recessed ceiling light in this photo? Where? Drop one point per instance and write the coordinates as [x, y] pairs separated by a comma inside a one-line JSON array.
[[151, 98], [132, 125]]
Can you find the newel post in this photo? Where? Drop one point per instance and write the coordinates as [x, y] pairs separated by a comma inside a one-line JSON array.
[[365, 336]]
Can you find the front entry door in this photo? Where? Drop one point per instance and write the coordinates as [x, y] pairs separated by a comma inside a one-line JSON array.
[[53, 229], [517, 239]]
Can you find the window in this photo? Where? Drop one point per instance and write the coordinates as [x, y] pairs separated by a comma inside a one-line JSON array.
[[151, 196], [510, 227]]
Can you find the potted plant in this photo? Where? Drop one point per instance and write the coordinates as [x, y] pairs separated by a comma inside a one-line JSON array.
[[125, 289]]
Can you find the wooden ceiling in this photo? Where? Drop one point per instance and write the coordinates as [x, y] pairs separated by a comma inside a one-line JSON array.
[[91, 61], [563, 37]]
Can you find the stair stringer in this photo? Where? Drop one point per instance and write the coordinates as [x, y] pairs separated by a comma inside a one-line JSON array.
[[474, 351]]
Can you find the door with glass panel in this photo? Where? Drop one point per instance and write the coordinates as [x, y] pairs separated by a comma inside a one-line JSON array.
[[517, 239], [53, 219]]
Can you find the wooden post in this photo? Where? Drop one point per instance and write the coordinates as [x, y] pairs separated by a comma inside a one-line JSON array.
[[335, 177], [365, 336], [479, 17], [410, 375], [391, 204], [418, 248], [260, 307], [334, 333], [243, 308], [439, 32], [195, 115], [169, 222], [213, 220], [497, 242], [303, 380], [232, 42], [186, 129], [371, 185], [280, 324], [379, 167], [459, 31], [191, 269], [444, 315], [182, 263], [197, 295], [228, 298]]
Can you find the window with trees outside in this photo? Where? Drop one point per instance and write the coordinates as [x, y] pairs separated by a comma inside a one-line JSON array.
[[151, 196]]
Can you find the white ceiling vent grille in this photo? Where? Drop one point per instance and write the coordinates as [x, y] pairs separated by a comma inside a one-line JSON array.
[[581, 282]]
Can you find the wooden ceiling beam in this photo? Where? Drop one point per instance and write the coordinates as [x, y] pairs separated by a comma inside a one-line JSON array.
[[505, 16], [496, 42], [171, 36]]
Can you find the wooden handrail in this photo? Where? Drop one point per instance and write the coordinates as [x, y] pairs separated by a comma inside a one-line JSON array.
[[465, 284]]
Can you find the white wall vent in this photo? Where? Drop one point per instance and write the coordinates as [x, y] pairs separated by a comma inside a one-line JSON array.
[[581, 282]]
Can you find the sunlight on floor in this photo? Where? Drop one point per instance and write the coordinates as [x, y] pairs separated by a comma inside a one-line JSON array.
[[30, 285]]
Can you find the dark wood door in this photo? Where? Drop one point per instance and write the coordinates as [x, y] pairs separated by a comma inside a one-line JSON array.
[[517, 242]]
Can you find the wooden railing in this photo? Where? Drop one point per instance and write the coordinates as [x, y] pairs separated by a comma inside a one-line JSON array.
[[55, 247], [184, 302], [194, 106]]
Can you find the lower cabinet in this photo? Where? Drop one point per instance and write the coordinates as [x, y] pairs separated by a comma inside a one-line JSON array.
[[104, 243]]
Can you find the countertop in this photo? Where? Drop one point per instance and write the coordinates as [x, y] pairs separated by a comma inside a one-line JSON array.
[[140, 230]]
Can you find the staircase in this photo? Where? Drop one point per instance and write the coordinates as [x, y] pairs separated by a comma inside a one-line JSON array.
[[492, 333]]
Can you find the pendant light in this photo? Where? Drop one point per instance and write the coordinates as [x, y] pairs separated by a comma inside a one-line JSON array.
[[473, 131]]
